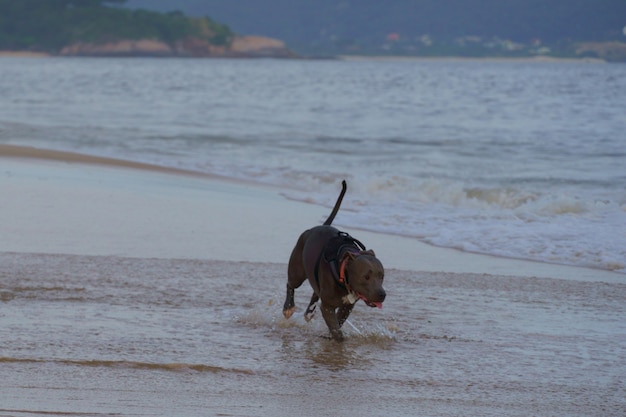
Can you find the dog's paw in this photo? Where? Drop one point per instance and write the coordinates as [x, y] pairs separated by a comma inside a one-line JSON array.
[[336, 335], [309, 313], [289, 312]]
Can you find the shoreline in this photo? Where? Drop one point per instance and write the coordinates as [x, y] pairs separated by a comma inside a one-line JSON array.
[[535, 59], [24, 54], [29, 152], [69, 203]]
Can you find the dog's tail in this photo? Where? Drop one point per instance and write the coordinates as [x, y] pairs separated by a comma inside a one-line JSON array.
[[330, 218]]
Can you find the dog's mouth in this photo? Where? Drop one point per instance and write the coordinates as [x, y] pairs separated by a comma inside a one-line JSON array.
[[377, 304]]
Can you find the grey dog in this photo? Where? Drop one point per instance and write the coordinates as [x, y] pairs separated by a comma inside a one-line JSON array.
[[340, 270]]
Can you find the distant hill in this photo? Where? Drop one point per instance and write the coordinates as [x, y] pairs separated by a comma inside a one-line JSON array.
[[105, 28], [416, 26], [47, 25]]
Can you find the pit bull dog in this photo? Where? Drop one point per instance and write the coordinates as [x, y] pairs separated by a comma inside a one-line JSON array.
[[340, 270]]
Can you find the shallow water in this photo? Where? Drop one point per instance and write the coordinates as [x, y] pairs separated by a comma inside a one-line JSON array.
[[83, 335], [523, 160]]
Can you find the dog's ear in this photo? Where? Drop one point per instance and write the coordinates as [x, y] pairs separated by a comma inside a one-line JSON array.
[[368, 252]]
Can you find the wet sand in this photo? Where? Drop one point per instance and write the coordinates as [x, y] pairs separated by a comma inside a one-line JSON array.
[[101, 335], [127, 291]]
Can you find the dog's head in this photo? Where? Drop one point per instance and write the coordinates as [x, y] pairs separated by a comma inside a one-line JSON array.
[[365, 276]]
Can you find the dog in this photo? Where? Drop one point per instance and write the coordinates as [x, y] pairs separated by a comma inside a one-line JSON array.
[[340, 270]]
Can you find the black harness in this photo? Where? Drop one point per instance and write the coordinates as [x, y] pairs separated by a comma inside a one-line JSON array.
[[333, 254]]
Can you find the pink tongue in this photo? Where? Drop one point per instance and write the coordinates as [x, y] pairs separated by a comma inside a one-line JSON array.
[[371, 303]]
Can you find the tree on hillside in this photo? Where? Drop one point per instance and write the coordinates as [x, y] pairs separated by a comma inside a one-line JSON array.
[[49, 25]]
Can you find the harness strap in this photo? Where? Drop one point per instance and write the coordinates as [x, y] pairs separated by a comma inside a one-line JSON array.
[[342, 270], [340, 276], [339, 246]]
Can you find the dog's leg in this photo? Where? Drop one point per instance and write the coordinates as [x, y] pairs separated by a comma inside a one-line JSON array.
[[290, 305], [330, 317], [295, 277], [310, 310], [343, 313]]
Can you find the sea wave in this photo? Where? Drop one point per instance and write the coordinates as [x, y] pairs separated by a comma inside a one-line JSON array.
[[542, 225]]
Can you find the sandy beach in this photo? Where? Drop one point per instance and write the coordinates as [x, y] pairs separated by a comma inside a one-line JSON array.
[[79, 204], [131, 289], [23, 54]]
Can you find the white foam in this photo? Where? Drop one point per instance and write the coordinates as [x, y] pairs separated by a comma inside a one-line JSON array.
[[555, 228]]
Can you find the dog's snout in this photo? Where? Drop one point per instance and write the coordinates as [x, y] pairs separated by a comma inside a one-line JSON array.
[[382, 294]]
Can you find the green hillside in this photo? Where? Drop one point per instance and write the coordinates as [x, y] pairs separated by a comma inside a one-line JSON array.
[[49, 25]]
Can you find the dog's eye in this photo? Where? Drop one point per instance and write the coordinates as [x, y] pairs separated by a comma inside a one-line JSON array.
[[367, 277]]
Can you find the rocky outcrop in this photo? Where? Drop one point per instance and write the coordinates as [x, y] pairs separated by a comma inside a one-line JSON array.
[[240, 47], [260, 46], [143, 47], [609, 51]]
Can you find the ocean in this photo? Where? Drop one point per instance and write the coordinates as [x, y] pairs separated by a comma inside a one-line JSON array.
[[515, 159]]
